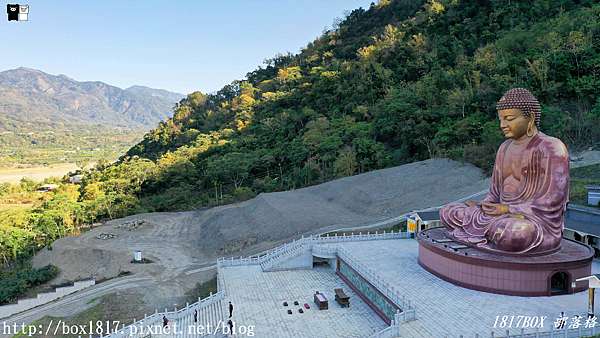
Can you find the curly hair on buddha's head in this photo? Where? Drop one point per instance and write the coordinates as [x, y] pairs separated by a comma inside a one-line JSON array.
[[522, 99]]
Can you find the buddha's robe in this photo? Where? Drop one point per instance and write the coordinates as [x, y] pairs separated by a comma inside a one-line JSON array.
[[535, 222]]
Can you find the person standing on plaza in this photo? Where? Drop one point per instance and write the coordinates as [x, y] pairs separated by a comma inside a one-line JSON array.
[[230, 324]]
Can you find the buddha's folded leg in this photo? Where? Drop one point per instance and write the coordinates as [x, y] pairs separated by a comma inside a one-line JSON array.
[[467, 224], [512, 234], [452, 215]]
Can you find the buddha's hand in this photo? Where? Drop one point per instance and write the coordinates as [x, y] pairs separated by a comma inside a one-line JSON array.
[[471, 203], [494, 209]]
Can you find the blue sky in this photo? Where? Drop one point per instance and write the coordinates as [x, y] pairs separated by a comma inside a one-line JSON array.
[[180, 46]]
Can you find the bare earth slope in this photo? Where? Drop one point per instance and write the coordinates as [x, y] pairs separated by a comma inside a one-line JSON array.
[[182, 239]]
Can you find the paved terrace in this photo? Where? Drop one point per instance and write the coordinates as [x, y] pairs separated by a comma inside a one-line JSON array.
[[258, 299], [443, 309]]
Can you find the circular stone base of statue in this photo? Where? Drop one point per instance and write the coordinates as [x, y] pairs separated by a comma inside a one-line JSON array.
[[468, 267]]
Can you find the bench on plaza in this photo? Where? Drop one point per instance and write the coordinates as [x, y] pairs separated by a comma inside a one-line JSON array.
[[321, 301], [342, 298]]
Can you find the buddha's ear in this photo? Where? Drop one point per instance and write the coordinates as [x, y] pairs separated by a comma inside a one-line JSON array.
[[532, 120], [531, 126]]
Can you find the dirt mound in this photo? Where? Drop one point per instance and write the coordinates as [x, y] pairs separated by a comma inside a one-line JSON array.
[[350, 201], [78, 263], [177, 240]]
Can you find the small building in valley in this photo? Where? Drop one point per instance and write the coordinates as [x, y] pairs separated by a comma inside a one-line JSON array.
[[47, 187], [75, 179]]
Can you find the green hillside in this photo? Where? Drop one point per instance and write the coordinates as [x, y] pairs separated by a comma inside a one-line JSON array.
[[399, 82], [36, 143], [580, 178]]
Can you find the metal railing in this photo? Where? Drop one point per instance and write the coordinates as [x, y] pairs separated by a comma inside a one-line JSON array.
[[325, 250], [287, 251], [360, 237], [270, 257], [210, 310], [566, 332], [387, 289]]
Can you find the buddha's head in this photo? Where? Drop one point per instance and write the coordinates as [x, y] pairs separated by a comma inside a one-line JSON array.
[[519, 113]]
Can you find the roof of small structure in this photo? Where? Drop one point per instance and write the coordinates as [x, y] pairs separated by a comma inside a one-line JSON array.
[[433, 215], [594, 276]]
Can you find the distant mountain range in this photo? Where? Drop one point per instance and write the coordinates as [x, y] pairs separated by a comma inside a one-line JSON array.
[[28, 95]]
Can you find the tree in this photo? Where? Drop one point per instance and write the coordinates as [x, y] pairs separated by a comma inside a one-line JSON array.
[[82, 163], [345, 164], [233, 167]]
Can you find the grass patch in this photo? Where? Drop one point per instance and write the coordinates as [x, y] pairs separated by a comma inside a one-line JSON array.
[[203, 290], [397, 227], [587, 172], [580, 177], [18, 279]]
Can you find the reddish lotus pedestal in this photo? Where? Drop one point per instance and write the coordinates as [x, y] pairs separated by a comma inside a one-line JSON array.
[[546, 275]]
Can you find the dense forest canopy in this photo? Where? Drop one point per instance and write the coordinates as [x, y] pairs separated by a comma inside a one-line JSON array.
[[398, 82]]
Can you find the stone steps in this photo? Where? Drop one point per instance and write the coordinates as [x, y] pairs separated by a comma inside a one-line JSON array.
[[43, 298]]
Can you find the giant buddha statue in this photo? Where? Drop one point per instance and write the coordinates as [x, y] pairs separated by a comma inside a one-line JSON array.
[[523, 213]]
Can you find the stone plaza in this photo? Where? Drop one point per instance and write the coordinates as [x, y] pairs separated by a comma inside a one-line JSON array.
[[427, 306]]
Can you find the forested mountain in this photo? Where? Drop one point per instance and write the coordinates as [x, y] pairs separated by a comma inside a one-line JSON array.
[[401, 81], [398, 82], [31, 95]]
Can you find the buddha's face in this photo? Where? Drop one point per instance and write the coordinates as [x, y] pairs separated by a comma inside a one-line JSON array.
[[513, 123]]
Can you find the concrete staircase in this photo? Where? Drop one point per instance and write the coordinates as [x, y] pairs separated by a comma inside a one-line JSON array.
[[210, 321], [285, 253], [43, 298]]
